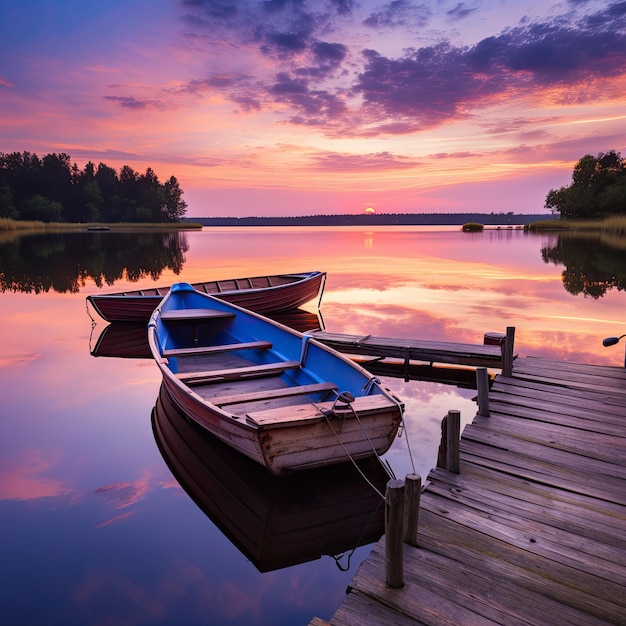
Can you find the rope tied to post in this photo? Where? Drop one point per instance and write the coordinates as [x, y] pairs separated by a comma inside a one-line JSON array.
[[340, 408]]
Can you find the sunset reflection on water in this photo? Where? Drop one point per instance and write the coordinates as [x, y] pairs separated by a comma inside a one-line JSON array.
[[91, 511]]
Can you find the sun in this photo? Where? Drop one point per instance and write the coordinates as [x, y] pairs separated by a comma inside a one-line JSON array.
[[370, 210]]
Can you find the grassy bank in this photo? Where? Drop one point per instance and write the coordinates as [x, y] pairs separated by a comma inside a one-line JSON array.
[[615, 225], [7, 225]]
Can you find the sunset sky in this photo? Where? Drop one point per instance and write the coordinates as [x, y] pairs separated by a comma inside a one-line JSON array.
[[296, 107]]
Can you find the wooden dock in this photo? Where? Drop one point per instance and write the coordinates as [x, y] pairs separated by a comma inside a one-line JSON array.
[[498, 355], [533, 528]]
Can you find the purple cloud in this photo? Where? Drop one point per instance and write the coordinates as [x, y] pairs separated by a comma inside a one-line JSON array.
[[424, 86], [313, 107], [332, 161], [432, 84], [135, 104], [460, 11], [399, 13]]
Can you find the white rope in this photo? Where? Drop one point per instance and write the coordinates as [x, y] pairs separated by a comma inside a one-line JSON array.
[[403, 427], [326, 413]]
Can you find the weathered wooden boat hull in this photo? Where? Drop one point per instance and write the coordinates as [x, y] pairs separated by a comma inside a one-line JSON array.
[[262, 294], [274, 522], [273, 406]]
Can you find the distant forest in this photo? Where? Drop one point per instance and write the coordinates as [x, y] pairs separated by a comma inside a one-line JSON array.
[[377, 219], [52, 189]]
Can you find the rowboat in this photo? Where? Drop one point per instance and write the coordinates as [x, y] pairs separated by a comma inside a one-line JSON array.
[[275, 522], [262, 294], [276, 395], [129, 340]]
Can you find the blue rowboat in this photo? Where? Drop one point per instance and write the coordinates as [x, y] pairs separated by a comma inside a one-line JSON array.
[[276, 395]]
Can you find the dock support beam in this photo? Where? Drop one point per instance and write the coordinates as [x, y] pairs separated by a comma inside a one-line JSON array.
[[507, 352], [394, 532], [449, 447], [413, 485], [453, 439], [482, 385], [402, 503]]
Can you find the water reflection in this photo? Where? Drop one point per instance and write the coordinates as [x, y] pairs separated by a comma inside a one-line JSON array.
[[594, 263], [64, 262], [130, 340], [274, 522]]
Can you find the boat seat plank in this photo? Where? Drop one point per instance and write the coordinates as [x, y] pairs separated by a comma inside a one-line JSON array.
[[228, 347], [284, 392], [182, 315], [277, 417], [267, 369]]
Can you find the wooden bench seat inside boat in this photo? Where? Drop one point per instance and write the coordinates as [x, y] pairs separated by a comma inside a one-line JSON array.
[[283, 392], [275, 418], [194, 315], [228, 347], [267, 369]]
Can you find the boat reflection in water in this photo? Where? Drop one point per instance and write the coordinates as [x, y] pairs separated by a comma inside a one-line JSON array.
[[129, 340], [274, 522]]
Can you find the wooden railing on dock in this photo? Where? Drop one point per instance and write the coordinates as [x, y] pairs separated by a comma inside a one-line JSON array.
[[476, 355]]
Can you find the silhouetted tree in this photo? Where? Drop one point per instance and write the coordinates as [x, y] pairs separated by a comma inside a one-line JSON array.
[[598, 188], [175, 206]]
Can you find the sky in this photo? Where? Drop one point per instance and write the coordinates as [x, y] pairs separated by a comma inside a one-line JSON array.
[[300, 107]]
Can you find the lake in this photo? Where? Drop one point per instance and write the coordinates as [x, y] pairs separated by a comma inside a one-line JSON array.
[[96, 528]]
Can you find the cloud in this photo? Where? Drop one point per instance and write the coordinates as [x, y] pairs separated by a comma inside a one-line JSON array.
[[399, 13], [460, 11], [213, 9], [135, 104], [430, 85], [348, 90], [374, 162]]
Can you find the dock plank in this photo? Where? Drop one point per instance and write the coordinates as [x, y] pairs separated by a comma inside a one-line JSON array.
[[417, 350]]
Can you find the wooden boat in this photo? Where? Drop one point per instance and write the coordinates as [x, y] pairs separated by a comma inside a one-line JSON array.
[[129, 340], [280, 397], [274, 522], [262, 294]]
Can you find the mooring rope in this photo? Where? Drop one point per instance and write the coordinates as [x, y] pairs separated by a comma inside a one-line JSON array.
[[337, 557], [406, 436], [93, 322], [326, 413], [345, 398]]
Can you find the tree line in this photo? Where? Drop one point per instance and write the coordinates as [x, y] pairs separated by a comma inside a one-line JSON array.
[[51, 189], [597, 191]]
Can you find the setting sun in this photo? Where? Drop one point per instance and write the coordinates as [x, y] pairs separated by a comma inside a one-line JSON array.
[[370, 210]]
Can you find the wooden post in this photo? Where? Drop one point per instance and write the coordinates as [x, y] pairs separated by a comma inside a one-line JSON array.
[[413, 484], [454, 435], [394, 532], [442, 453], [482, 385], [507, 351]]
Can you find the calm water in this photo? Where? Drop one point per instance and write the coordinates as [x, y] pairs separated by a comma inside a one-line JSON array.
[[95, 527]]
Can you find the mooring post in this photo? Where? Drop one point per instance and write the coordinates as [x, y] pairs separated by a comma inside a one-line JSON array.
[[453, 441], [507, 351], [413, 486], [394, 532], [442, 453], [482, 385]]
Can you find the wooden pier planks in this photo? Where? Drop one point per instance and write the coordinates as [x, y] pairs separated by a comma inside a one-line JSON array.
[[533, 529], [476, 355]]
